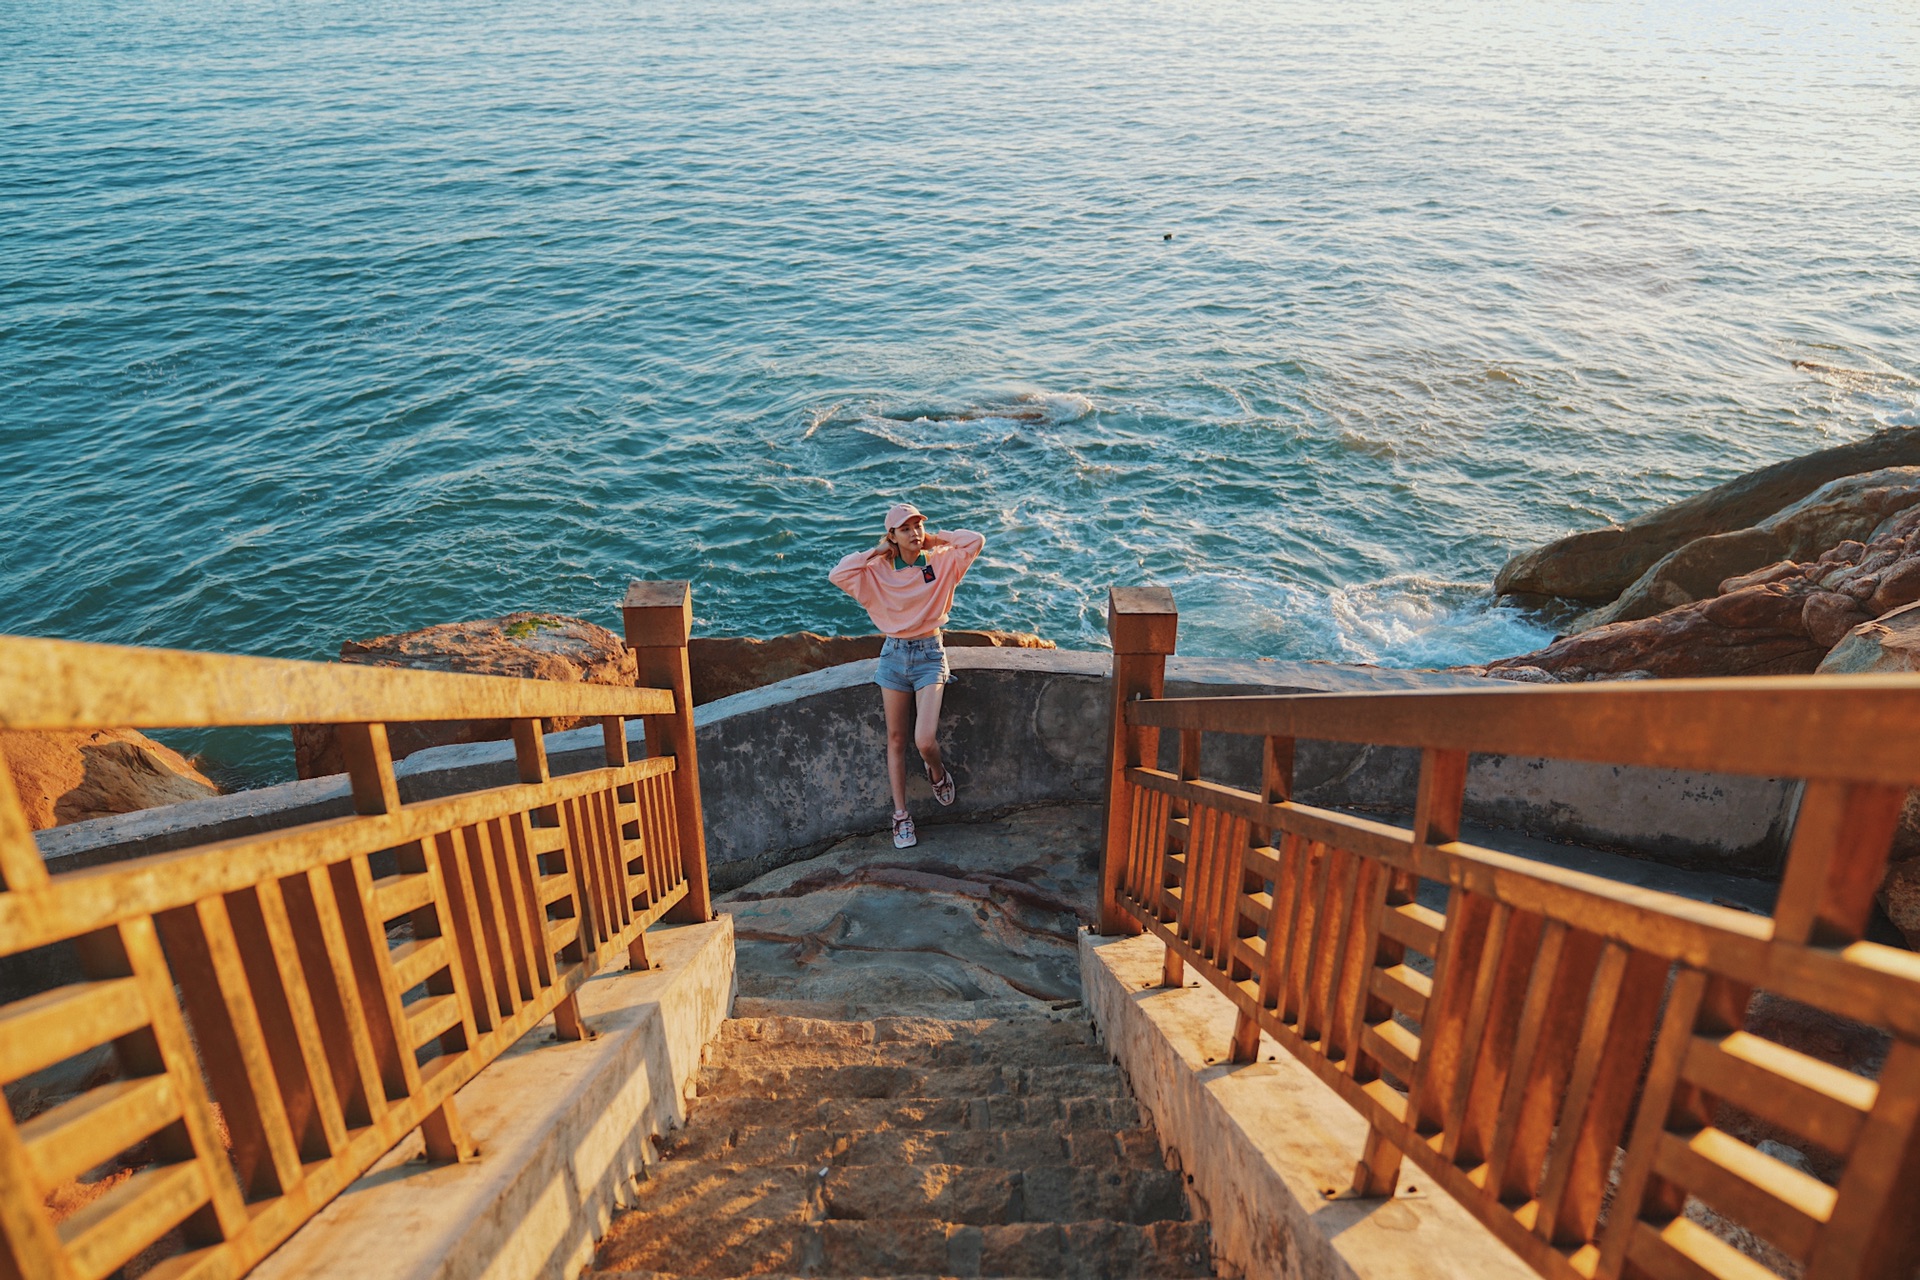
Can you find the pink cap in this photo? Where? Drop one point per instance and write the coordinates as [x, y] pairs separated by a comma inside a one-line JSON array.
[[900, 513]]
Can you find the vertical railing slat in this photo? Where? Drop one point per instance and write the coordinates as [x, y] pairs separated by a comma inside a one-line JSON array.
[[525, 868], [321, 937], [1552, 1065], [265, 936], [1874, 1233], [132, 949], [1320, 873], [213, 985], [515, 898]]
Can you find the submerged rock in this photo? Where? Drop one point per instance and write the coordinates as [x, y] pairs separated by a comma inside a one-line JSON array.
[[538, 646], [74, 775], [1597, 565]]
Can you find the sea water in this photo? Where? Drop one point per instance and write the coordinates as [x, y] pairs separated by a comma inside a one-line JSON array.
[[324, 320]]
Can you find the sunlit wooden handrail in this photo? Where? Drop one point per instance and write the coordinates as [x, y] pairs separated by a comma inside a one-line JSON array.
[[65, 684], [325, 1010], [1864, 728], [1567, 1056]]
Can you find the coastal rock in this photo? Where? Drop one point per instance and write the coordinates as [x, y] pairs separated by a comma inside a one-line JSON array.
[[71, 776], [1900, 890], [1829, 615], [1757, 630], [1779, 619], [1597, 565], [725, 665], [1888, 645], [538, 646], [1836, 515], [1891, 646]]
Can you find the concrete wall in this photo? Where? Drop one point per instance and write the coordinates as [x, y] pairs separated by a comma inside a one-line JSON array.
[[1028, 727], [1263, 1141], [791, 767]]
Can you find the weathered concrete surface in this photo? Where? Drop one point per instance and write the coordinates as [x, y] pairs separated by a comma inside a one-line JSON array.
[[1260, 1140], [563, 1130], [984, 911]]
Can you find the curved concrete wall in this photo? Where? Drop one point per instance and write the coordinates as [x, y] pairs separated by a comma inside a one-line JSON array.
[[790, 767], [793, 766]]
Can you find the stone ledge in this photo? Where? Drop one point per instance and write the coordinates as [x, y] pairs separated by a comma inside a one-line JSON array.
[[563, 1131], [1258, 1140]]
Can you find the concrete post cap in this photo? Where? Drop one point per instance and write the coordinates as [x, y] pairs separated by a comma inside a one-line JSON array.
[[658, 614], [1142, 619]]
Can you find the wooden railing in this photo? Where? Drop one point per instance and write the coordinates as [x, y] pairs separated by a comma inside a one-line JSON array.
[[280, 1017], [1558, 1051]]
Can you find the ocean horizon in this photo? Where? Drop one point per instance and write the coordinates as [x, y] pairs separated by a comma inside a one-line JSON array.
[[324, 322]]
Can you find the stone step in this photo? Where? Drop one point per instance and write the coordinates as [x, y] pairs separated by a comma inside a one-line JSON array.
[[1048, 1145], [696, 1246], [1001, 1032], [1046, 1047], [992, 1197], [772, 1080], [1014, 1010], [762, 1275], [1002, 1111], [678, 1189]]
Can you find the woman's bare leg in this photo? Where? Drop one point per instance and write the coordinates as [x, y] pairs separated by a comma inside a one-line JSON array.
[[926, 728], [898, 706]]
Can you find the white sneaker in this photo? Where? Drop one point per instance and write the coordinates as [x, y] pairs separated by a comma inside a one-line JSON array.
[[943, 789], [903, 837]]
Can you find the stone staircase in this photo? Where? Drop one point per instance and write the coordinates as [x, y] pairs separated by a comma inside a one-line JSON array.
[[910, 1146]]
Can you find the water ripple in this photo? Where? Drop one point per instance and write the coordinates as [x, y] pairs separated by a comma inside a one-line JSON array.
[[321, 321]]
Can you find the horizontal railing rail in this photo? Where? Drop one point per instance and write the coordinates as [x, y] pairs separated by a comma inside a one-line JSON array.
[[1861, 728], [279, 1014], [1570, 1058], [67, 684]]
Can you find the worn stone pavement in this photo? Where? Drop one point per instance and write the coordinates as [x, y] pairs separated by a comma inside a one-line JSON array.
[[910, 1086]]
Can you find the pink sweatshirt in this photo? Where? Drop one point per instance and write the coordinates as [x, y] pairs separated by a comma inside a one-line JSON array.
[[902, 602]]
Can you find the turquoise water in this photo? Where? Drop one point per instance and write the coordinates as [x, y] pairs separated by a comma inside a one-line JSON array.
[[326, 320]]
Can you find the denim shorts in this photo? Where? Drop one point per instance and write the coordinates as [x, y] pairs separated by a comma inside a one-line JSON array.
[[912, 665]]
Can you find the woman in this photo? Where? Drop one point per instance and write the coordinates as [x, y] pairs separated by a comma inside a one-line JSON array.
[[906, 585]]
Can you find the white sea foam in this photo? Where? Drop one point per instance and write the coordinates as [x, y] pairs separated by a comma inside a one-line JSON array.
[[1415, 621]]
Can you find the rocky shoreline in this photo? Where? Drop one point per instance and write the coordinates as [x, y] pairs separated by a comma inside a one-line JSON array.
[[1766, 574], [1808, 566]]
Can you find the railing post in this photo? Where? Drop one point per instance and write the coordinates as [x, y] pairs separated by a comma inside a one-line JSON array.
[[1143, 623], [659, 618]]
